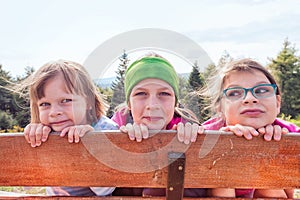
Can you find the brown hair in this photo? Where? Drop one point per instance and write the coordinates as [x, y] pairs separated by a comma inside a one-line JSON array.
[[77, 81], [215, 86]]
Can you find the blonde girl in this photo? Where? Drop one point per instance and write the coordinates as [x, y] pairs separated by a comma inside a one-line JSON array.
[[64, 99]]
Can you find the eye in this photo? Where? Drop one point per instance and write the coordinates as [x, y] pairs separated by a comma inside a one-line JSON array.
[[165, 94], [234, 92], [260, 90], [44, 104], [66, 100], [140, 94]]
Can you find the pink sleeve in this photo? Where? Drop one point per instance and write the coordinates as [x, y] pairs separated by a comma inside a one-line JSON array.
[[119, 118]]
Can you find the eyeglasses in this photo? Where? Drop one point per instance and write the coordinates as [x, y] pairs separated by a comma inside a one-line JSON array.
[[259, 91]]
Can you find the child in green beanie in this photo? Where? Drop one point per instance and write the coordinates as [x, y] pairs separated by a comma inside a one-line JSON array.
[[152, 90]]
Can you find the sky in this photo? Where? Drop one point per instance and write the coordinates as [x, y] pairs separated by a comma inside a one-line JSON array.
[[34, 32]]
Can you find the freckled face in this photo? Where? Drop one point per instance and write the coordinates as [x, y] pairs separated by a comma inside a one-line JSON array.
[[59, 108], [152, 103], [249, 111]]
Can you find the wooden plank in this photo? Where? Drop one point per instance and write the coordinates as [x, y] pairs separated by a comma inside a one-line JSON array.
[[113, 160]]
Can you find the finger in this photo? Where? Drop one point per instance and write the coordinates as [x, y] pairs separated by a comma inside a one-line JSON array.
[[277, 133], [123, 129], [269, 133], [187, 133], [32, 136], [137, 132], [38, 135], [46, 132], [285, 131], [71, 135], [64, 131], [253, 131], [246, 133], [130, 131], [144, 130], [85, 130], [262, 130], [26, 132], [236, 130], [180, 132], [201, 130], [195, 129], [226, 128], [76, 134]]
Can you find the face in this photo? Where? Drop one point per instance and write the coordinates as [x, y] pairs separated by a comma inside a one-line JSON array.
[[249, 111], [59, 108], [152, 103]]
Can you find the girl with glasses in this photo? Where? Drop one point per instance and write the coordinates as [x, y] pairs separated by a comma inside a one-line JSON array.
[[246, 100]]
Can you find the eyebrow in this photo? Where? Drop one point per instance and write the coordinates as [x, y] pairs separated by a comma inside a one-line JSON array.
[[261, 82]]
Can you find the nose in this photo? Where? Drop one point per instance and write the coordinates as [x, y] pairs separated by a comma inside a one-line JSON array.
[[249, 98], [55, 110], [153, 102]]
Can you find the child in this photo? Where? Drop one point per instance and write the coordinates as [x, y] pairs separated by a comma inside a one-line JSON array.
[[247, 100], [64, 99], [152, 91]]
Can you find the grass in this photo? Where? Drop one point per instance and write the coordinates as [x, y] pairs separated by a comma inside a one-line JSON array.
[[25, 190]]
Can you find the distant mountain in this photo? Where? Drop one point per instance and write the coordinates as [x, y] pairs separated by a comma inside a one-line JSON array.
[[107, 82], [104, 82]]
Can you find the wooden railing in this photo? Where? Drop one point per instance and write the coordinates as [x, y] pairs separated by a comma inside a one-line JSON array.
[[111, 159]]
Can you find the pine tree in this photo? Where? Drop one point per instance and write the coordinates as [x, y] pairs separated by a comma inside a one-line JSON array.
[[117, 87], [286, 70], [195, 78], [193, 100]]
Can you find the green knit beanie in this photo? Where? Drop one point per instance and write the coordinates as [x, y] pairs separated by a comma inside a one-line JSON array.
[[150, 67]]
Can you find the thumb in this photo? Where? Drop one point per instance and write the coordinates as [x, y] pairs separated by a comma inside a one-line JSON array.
[[174, 127], [123, 129], [64, 132]]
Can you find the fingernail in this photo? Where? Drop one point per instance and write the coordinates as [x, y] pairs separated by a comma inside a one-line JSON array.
[[267, 137]]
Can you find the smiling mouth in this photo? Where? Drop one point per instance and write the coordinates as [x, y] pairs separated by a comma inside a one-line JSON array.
[[59, 122]]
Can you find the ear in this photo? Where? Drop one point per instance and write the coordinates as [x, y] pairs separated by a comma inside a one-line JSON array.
[[278, 103], [89, 106], [128, 105]]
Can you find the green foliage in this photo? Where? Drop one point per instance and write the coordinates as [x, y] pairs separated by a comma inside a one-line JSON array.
[[118, 95], [286, 70], [193, 100], [6, 121], [196, 79], [106, 93], [289, 118], [183, 88]]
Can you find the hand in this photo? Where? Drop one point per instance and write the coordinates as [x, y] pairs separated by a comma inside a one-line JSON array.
[[274, 131], [36, 133], [240, 130], [135, 131], [76, 132], [188, 132]]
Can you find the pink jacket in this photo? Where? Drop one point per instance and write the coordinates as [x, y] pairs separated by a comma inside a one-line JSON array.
[[217, 123], [121, 119]]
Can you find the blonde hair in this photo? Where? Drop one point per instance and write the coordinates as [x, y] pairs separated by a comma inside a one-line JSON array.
[[77, 81], [213, 91]]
